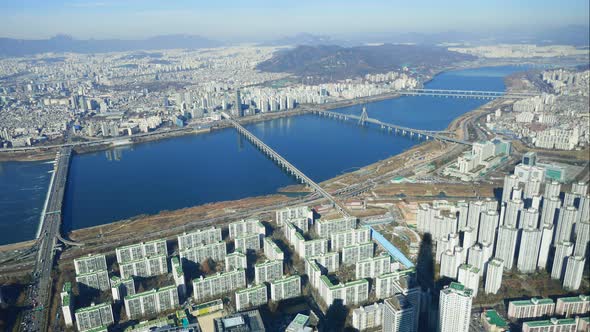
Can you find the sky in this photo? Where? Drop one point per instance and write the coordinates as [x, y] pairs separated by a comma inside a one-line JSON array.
[[266, 19]]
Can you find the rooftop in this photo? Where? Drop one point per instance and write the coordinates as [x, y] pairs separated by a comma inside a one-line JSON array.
[[551, 322], [579, 298], [495, 319], [532, 301]]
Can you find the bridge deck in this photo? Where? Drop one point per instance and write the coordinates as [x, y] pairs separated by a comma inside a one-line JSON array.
[[286, 164], [426, 133]]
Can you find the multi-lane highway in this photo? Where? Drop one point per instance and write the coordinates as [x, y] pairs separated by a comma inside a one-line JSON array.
[[39, 293]]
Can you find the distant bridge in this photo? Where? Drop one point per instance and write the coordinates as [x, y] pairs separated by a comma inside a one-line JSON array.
[[426, 134], [276, 157], [476, 94]]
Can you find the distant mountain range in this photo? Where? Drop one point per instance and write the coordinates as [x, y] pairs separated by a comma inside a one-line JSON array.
[[62, 43], [338, 62], [576, 35]]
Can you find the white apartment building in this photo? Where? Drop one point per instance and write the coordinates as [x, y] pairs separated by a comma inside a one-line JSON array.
[[67, 303], [94, 316], [268, 271], [235, 260], [357, 252], [574, 305], [531, 308], [251, 296], [141, 250], [367, 317], [272, 250], [178, 275], [493, 281], [329, 261], [398, 314], [90, 263], [373, 267], [247, 242], [349, 237], [288, 213], [326, 227], [469, 276], [455, 308], [574, 272], [310, 248], [285, 288], [199, 238], [122, 287], [144, 267], [96, 280], [151, 302], [246, 227], [350, 293], [216, 251], [218, 284]]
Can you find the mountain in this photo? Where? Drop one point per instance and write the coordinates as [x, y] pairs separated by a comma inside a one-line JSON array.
[[63, 43], [306, 39], [339, 62]]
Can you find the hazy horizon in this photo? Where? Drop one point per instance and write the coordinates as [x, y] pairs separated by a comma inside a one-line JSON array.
[[265, 20]]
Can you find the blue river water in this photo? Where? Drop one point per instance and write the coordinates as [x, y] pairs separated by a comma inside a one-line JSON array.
[[170, 174]]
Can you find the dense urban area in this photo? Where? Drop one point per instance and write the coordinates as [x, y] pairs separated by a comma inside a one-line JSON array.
[[484, 226]]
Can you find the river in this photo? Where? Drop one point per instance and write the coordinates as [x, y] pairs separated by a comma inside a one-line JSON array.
[[185, 171]]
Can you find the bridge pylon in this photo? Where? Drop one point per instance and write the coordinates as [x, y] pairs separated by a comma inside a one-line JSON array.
[[364, 117]]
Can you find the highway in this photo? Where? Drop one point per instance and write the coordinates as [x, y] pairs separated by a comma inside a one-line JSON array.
[[39, 293], [404, 130]]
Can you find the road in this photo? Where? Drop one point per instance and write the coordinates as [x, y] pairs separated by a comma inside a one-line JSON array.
[[40, 290]]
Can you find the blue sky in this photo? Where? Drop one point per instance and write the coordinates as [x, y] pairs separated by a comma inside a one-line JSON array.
[[260, 19]]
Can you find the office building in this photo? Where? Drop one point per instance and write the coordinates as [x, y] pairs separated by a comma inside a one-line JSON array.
[[249, 321], [67, 303], [95, 316], [357, 252], [350, 293], [326, 227], [455, 308], [398, 314], [122, 287], [272, 250], [573, 305], [268, 271], [349, 237], [199, 238], [288, 213], [235, 260], [144, 267], [551, 325], [90, 264], [285, 288], [531, 308], [329, 261], [215, 251], [574, 272], [246, 227], [528, 254], [372, 267], [252, 296], [562, 251], [299, 324], [367, 317], [151, 302], [247, 242], [506, 247], [218, 284], [495, 268], [469, 276], [138, 251]]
